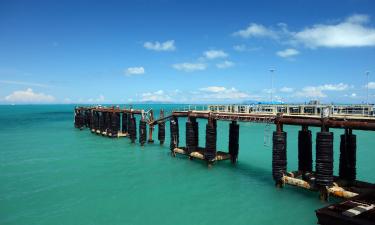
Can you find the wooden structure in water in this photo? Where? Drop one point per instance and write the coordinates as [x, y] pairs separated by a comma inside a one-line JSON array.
[[116, 122]]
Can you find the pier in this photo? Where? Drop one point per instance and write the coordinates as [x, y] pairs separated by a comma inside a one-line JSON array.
[[115, 122]]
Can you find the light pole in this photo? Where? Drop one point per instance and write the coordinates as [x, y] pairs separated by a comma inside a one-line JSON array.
[[367, 76], [272, 70]]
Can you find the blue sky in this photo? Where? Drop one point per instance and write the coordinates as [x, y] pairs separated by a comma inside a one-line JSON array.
[[186, 51]]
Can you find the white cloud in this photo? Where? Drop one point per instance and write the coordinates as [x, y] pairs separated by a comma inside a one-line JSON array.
[[286, 89], [24, 83], [244, 48], [29, 96], [371, 85], [213, 89], [318, 91], [135, 71], [311, 92], [225, 64], [190, 67], [99, 99], [287, 52], [353, 95], [351, 32], [216, 92], [334, 87], [157, 96], [239, 48], [213, 54], [256, 30], [157, 46]]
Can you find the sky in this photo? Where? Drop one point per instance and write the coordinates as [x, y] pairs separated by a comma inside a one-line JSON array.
[[186, 51]]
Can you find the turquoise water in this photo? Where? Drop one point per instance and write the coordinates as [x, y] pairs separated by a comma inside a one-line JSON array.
[[52, 173]]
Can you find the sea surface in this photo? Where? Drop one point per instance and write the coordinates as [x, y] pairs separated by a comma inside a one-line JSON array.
[[52, 173]]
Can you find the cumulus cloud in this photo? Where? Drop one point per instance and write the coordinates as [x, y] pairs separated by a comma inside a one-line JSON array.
[[287, 53], [157, 96], [157, 46], [311, 92], [371, 85], [334, 87], [189, 67], [319, 91], [256, 30], [134, 71], [24, 83], [286, 89], [213, 89], [352, 32], [214, 54], [99, 99], [244, 48], [225, 64], [217, 92], [29, 96]]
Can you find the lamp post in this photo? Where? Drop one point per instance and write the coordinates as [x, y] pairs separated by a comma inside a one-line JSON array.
[[272, 70], [367, 76]]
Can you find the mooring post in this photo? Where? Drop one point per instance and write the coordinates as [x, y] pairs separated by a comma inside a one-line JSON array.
[[211, 137], [304, 150], [161, 128], [279, 158], [151, 127], [348, 149], [233, 141]]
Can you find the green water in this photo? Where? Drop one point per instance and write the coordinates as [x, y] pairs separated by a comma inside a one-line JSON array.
[[51, 173]]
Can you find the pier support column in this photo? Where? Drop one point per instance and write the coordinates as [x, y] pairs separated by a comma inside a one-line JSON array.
[[161, 128], [142, 132], [279, 159], [91, 119], [174, 130], [101, 122], [124, 127], [211, 136], [234, 129], [151, 127], [115, 124], [191, 139], [324, 162], [96, 121], [348, 150], [304, 150], [75, 118], [133, 129]]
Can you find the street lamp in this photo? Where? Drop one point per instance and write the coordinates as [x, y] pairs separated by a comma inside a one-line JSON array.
[[367, 76], [272, 70]]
